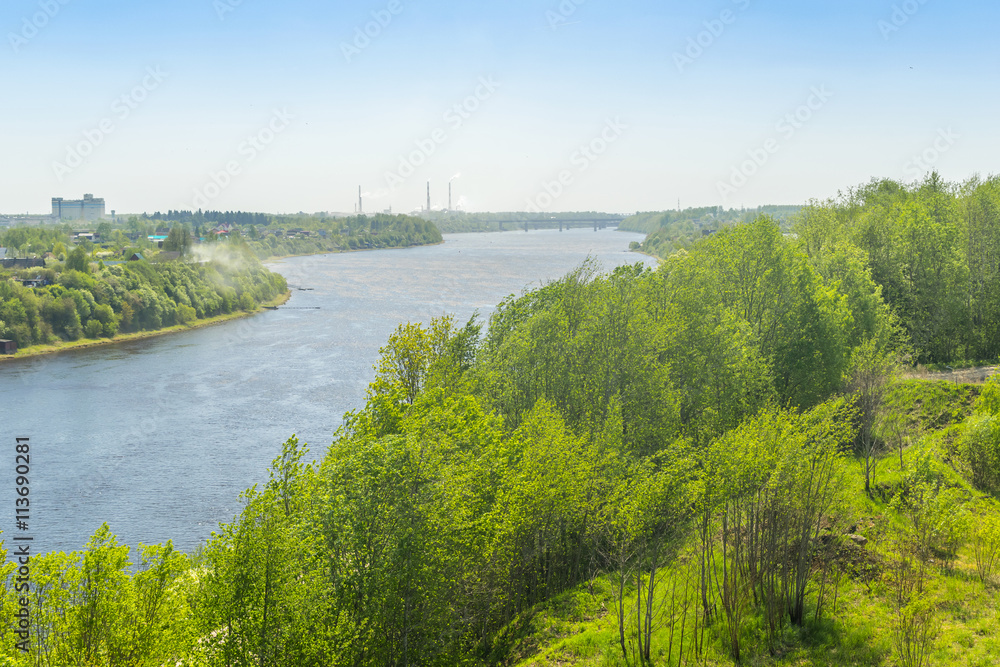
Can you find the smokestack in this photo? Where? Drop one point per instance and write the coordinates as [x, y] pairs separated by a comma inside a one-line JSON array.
[[428, 196], [449, 195], [360, 207]]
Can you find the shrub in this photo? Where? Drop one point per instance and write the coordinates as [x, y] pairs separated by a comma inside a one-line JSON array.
[[185, 314], [93, 329], [989, 400], [914, 630], [979, 450], [986, 546]]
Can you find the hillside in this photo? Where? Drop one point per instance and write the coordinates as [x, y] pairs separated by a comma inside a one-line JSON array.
[[877, 596]]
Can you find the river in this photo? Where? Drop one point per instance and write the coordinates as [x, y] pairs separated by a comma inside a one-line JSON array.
[[158, 437]]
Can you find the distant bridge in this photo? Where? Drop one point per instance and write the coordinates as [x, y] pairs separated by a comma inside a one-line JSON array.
[[551, 223]]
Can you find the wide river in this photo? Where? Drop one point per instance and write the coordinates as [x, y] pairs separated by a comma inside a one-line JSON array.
[[158, 437]]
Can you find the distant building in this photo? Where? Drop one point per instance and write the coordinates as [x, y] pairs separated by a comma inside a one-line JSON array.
[[87, 208], [8, 347]]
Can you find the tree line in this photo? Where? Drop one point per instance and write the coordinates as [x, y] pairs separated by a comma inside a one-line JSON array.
[[200, 217], [933, 247], [453, 221], [669, 231], [81, 299], [360, 232]]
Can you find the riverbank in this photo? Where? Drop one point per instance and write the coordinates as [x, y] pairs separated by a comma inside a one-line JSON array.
[[278, 258], [83, 343], [647, 254]]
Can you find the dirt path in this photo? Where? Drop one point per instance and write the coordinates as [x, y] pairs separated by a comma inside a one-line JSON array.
[[976, 375]]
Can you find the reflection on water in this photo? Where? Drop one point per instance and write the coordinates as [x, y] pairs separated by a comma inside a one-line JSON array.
[[158, 437]]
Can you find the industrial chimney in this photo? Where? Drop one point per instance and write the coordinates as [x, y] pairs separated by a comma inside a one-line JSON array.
[[428, 196], [360, 209]]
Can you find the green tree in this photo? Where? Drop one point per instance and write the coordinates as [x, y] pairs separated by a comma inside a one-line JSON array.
[[244, 606], [78, 261], [178, 239]]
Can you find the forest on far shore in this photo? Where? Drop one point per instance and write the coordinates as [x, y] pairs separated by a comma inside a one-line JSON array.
[[932, 247], [78, 298]]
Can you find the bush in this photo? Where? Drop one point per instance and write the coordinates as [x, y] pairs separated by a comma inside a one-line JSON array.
[[93, 329], [989, 400], [185, 314], [986, 546], [979, 450], [72, 279], [914, 630]]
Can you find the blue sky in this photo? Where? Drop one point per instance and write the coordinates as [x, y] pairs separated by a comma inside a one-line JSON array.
[[573, 105]]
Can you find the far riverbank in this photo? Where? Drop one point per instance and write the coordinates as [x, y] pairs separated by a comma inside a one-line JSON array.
[[84, 343]]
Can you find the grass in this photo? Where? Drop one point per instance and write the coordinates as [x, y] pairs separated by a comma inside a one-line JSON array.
[[929, 405], [579, 627], [64, 346]]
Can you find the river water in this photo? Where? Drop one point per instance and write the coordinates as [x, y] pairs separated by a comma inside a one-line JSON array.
[[158, 437]]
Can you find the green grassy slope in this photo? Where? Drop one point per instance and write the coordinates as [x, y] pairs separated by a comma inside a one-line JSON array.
[[859, 620]]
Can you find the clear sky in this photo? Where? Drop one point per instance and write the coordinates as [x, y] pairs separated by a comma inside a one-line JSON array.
[[576, 105]]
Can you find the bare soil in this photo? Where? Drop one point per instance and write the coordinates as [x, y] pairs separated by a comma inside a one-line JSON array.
[[976, 375]]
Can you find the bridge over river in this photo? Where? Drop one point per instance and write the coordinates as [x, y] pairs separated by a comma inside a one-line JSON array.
[[565, 223]]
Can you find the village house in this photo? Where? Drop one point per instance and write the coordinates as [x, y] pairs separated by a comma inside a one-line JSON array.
[[37, 281]]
